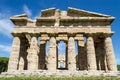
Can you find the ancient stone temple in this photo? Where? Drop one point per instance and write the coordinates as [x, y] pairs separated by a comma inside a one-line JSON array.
[[90, 30]]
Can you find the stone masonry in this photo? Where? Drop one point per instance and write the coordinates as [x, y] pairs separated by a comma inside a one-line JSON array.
[[90, 30]]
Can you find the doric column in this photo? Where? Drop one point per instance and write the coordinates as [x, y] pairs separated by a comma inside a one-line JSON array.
[[81, 52], [66, 55], [13, 61], [33, 54], [23, 55], [21, 64], [100, 54], [91, 58], [71, 54], [110, 58], [42, 54], [52, 55], [81, 58]]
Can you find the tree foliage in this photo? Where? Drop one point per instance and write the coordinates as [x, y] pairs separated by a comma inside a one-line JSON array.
[[118, 66], [3, 64]]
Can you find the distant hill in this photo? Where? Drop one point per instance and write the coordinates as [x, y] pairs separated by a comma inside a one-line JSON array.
[[3, 64]]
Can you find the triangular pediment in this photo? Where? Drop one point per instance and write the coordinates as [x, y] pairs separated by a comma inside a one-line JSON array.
[[72, 12], [48, 12], [83, 13]]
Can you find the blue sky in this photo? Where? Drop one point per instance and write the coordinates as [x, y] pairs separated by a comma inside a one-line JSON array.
[[33, 7]]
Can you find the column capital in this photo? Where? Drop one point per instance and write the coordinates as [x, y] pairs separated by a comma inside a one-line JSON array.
[[44, 37], [107, 34], [32, 34], [90, 34], [62, 37], [79, 37], [42, 41]]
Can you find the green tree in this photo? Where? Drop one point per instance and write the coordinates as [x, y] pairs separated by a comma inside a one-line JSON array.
[[118, 66], [3, 64]]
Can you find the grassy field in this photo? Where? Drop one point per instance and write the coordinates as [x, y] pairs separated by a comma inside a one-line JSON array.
[[74, 78]]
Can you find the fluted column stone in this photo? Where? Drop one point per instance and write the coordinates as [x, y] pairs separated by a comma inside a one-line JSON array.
[[33, 54], [21, 64], [110, 58], [91, 58], [51, 62], [71, 54], [13, 61]]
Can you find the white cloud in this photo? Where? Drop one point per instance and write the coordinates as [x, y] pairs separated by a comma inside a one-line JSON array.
[[6, 48], [27, 10], [6, 26]]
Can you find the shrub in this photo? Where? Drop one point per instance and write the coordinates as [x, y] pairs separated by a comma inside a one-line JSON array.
[[118, 66], [3, 64]]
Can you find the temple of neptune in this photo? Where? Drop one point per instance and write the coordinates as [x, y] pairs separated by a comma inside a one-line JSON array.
[[91, 31]]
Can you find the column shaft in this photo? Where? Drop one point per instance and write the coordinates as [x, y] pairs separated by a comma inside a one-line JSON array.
[[52, 55], [81, 58], [33, 54], [91, 58], [21, 64], [13, 61], [110, 58], [71, 54]]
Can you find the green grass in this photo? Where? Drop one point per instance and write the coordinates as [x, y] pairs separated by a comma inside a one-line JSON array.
[[48, 78]]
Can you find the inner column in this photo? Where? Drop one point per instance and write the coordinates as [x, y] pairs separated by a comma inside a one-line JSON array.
[[61, 55], [23, 62], [71, 54], [91, 58], [33, 54], [82, 58], [100, 54], [42, 54], [51, 63]]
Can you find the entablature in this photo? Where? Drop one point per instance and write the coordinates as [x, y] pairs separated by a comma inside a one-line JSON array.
[[62, 30]]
